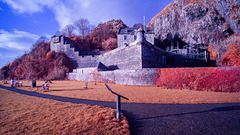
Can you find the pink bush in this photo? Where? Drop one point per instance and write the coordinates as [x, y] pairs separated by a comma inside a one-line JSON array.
[[209, 79]]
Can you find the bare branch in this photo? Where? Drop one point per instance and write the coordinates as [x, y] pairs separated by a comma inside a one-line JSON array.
[[68, 30], [83, 26]]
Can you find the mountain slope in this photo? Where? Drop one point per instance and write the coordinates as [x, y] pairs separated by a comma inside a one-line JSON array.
[[211, 22]]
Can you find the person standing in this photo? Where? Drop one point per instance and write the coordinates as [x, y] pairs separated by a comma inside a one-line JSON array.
[[12, 82]]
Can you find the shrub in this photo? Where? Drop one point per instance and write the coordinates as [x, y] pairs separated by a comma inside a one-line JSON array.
[[232, 56], [57, 74], [213, 79]]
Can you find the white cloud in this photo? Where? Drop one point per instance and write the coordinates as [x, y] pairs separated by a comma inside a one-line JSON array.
[[68, 11], [63, 15], [29, 6], [85, 3], [19, 40], [14, 44], [7, 56]]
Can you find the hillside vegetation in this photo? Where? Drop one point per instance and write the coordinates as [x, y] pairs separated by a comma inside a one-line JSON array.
[[103, 37], [203, 79], [40, 63]]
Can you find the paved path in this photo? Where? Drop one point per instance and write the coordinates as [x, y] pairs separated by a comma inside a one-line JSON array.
[[161, 119]]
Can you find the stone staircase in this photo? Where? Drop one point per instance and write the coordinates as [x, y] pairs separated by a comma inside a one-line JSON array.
[[72, 53], [77, 57], [64, 44]]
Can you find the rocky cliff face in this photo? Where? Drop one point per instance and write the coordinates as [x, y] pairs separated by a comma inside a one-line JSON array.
[[113, 25], [211, 22]]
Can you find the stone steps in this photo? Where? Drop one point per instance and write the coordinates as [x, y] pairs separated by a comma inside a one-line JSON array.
[[72, 53]]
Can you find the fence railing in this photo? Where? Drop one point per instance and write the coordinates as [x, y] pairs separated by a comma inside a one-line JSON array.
[[118, 101]]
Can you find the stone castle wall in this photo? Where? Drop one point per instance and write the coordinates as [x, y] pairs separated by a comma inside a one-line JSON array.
[[64, 44], [87, 59], [56, 43], [125, 57], [124, 77], [122, 41], [153, 57], [132, 38], [74, 55]]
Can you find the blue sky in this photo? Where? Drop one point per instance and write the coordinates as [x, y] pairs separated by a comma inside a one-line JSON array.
[[25, 21]]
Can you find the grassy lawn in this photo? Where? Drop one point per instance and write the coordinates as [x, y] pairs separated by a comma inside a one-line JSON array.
[[22, 114], [136, 94]]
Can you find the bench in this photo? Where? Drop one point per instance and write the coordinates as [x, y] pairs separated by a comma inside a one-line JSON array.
[[5, 82], [44, 86], [18, 84]]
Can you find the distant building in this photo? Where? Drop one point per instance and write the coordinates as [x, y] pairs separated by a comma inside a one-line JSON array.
[[58, 42], [190, 55], [125, 36]]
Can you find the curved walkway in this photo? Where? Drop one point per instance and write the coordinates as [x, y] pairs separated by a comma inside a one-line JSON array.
[[183, 119]]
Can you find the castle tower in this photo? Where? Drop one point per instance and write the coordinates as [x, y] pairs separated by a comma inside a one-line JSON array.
[[57, 43], [140, 36]]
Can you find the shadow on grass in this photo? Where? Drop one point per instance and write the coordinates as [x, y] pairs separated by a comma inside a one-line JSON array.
[[72, 89], [39, 88], [60, 98]]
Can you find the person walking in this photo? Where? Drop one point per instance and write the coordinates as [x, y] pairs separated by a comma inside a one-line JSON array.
[[12, 82]]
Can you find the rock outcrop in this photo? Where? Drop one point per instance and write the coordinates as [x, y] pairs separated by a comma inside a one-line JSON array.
[[210, 22], [102, 37]]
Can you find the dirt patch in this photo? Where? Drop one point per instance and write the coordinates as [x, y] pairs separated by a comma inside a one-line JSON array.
[[22, 114], [136, 94]]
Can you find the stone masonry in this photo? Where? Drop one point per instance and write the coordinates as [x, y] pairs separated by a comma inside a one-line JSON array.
[[146, 76], [66, 45], [132, 64], [128, 35]]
